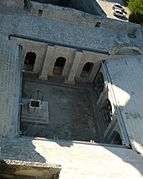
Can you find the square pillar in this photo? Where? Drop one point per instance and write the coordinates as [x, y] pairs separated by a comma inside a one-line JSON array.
[[46, 65], [74, 68]]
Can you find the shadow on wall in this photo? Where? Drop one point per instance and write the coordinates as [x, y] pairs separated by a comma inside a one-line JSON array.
[[23, 150], [132, 158], [18, 159], [90, 6], [77, 152]]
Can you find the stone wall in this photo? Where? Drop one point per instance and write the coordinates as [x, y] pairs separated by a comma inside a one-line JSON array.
[[10, 63], [64, 3], [13, 3], [35, 47], [81, 18], [28, 170], [46, 56], [90, 6]]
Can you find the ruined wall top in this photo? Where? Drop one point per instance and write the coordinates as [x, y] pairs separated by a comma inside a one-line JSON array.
[[12, 3]]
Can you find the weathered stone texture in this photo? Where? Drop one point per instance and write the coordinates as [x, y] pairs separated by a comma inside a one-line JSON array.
[[13, 3], [77, 159], [30, 170], [9, 68]]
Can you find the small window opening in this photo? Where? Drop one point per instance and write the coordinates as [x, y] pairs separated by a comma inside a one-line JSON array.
[[40, 12], [97, 24]]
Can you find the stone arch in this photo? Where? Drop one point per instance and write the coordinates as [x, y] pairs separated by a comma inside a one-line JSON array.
[[116, 138], [87, 69], [59, 66], [126, 51], [29, 61], [107, 111]]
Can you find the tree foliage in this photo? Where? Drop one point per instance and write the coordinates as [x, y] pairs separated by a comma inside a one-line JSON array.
[[136, 8]]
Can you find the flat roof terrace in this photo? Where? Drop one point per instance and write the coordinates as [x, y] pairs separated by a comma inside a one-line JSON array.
[[69, 113]]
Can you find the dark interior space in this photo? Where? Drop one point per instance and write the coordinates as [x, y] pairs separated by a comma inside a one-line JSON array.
[[116, 138], [99, 84], [87, 69], [29, 61], [59, 66]]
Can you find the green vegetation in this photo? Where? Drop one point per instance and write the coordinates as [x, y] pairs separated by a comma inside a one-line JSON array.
[[136, 8], [125, 2]]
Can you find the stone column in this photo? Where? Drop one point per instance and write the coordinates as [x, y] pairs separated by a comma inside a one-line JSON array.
[[94, 71], [46, 64], [74, 68]]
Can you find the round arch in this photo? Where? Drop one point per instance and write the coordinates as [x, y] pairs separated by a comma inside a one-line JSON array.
[[116, 138], [126, 51], [29, 61], [87, 69], [59, 66]]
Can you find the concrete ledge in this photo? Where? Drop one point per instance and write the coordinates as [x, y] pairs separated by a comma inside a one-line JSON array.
[[22, 169]]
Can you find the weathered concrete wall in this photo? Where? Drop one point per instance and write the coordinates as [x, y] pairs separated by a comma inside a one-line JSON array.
[[38, 48], [90, 6], [64, 3], [29, 170], [78, 160], [91, 57], [10, 70], [80, 18], [67, 53], [47, 55], [13, 3]]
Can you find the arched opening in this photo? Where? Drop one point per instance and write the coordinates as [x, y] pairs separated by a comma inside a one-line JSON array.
[[126, 51], [99, 84], [59, 66], [29, 61], [107, 111], [116, 138], [86, 71]]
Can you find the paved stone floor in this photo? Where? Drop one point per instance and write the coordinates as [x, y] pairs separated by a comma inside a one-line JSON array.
[[71, 114]]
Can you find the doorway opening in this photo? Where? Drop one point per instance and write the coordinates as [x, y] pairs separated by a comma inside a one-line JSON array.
[[87, 69], [59, 66], [29, 61]]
